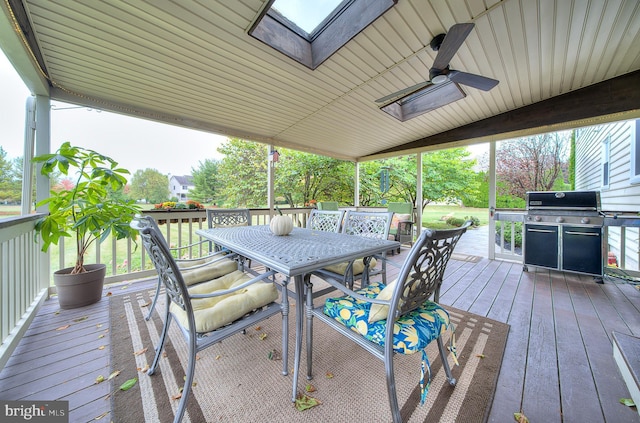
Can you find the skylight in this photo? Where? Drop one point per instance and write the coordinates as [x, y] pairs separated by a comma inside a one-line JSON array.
[[305, 13], [310, 31]]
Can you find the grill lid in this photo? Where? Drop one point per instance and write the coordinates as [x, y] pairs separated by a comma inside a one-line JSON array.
[[563, 200]]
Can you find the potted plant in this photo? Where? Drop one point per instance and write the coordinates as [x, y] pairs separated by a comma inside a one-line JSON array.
[[85, 210]]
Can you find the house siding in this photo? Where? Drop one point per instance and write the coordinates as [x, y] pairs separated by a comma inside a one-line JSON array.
[[621, 195], [179, 187]]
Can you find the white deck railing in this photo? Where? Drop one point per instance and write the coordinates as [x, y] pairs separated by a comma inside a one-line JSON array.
[[23, 280]]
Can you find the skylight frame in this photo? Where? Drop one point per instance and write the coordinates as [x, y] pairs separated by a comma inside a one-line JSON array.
[[311, 50]]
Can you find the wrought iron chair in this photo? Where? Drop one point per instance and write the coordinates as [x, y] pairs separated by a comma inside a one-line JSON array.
[[210, 311], [227, 218], [196, 270], [401, 223], [366, 224], [401, 317], [325, 220]]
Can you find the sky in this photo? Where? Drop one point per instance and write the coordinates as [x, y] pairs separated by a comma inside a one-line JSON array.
[[166, 148]]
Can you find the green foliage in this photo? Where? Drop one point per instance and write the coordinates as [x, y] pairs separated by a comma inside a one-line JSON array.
[[149, 185], [455, 221], [206, 182], [10, 178], [481, 198], [475, 222], [505, 231], [243, 173], [84, 208]]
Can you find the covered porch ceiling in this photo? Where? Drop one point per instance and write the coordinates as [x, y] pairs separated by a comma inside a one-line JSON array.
[[560, 63]]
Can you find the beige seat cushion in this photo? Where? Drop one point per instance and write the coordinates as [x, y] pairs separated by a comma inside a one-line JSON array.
[[358, 267], [185, 263], [208, 272], [213, 313], [380, 311]]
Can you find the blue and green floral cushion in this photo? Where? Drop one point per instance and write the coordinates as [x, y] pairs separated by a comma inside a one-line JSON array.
[[413, 332]]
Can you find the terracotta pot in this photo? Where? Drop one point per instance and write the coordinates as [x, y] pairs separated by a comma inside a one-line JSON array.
[[81, 289]]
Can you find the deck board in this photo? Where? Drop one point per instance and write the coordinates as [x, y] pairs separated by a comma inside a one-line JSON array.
[[558, 364]]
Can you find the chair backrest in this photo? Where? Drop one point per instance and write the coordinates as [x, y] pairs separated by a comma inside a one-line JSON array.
[[423, 269], [367, 224], [325, 220], [166, 266], [401, 208], [224, 218], [328, 205]]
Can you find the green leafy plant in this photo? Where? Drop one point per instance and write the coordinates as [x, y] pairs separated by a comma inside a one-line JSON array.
[[84, 208]]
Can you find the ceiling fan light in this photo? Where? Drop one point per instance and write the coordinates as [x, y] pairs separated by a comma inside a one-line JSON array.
[[439, 79]]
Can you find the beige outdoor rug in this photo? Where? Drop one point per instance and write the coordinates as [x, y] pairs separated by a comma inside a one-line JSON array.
[[235, 381]]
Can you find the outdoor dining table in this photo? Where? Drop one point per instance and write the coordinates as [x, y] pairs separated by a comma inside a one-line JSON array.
[[294, 256]]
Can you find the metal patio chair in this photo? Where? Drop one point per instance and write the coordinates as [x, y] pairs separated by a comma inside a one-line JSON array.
[[211, 311], [401, 317], [365, 224], [325, 220], [401, 223], [328, 205]]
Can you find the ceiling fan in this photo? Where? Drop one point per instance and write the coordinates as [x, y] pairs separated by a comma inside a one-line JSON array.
[[446, 45]]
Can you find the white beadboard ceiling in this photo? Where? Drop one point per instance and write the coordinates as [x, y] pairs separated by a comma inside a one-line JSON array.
[[192, 63]]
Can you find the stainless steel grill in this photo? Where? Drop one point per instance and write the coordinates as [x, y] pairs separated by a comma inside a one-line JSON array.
[[563, 231]]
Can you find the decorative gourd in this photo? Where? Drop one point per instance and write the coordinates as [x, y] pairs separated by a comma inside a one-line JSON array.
[[281, 225]]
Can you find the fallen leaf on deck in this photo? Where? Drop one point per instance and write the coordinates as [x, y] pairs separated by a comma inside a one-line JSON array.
[[63, 327], [142, 351], [628, 402], [305, 402], [114, 374], [144, 369], [99, 379], [101, 415], [520, 418], [101, 336], [101, 347], [164, 353], [57, 312], [80, 319], [128, 384], [147, 304], [98, 325], [263, 336], [274, 355], [257, 328], [329, 375], [310, 388], [480, 355], [177, 396], [108, 294]]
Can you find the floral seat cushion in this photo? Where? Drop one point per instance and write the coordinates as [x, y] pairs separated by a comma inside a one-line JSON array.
[[412, 332]]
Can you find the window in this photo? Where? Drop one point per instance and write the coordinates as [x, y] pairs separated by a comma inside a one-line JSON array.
[[606, 153], [309, 32], [634, 138]]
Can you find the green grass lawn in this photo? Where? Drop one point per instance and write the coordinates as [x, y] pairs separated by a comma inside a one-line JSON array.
[[432, 216]]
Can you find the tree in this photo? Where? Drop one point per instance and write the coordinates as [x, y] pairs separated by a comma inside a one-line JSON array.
[[301, 177], [150, 185], [243, 172], [533, 163], [206, 181], [10, 178]]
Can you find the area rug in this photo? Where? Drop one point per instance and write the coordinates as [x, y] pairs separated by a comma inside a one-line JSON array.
[[238, 380]]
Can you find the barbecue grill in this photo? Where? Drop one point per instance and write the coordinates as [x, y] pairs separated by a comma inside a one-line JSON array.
[[563, 231]]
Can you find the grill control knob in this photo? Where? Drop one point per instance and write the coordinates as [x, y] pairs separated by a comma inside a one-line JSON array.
[[560, 219], [585, 220], [537, 218]]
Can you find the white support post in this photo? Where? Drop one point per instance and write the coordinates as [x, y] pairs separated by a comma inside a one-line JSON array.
[[418, 224], [270, 180], [27, 164], [356, 185], [492, 200], [43, 146]]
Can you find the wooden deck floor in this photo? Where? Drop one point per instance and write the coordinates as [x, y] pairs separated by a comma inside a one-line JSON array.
[[558, 364]]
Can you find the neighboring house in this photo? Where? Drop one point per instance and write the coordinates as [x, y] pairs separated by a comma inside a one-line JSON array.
[[608, 160], [179, 187]]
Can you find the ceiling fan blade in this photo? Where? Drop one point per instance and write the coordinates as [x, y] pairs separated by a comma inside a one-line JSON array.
[[472, 80], [452, 42], [402, 93]]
